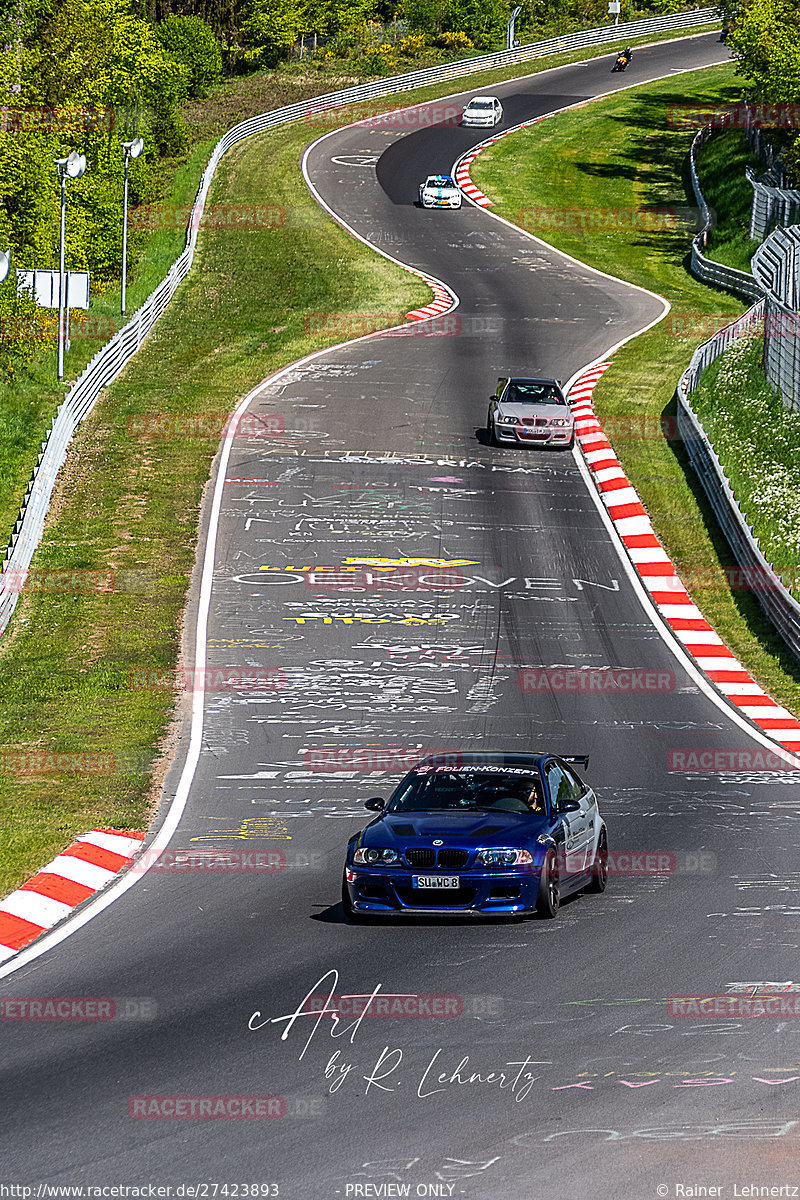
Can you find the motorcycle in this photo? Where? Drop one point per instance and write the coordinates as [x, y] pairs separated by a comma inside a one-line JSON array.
[[623, 58]]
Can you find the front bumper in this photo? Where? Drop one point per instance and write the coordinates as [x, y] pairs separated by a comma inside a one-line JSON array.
[[480, 122], [389, 891], [441, 202], [525, 435]]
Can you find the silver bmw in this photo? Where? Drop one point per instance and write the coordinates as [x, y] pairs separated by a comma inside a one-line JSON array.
[[530, 412]]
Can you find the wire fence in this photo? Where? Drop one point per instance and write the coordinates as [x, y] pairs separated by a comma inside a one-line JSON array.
[[110, 360], [773, 204], [776, 266], [775, 275], [766, 585]]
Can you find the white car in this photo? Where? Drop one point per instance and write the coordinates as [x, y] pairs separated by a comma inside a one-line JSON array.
[[482, 111], [439, 191]]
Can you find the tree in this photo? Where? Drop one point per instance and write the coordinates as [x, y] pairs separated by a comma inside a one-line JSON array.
[[483, 21], [97, 55], [190, 41], [269, 28], [765, 39]]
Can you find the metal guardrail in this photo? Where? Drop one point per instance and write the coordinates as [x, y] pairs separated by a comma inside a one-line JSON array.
[[776, 267], [110, 360], [705, 269], [779, 605], [773, 205], [766, 585]]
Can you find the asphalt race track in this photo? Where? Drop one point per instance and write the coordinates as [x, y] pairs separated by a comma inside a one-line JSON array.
[[384, 458]]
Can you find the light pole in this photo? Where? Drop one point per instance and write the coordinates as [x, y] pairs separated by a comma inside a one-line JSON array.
[[510, 28], [73, 166], [130, 150]]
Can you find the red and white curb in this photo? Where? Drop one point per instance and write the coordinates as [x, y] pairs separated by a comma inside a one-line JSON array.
[[463, 178], [82, 869], [441, 303], [462, 175], [662, 580]]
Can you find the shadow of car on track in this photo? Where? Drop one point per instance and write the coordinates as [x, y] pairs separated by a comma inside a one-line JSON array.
[[484, 438], [334, 915]]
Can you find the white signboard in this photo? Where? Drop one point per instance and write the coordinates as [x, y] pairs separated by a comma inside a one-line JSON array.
[[45, 286], [614, 6]]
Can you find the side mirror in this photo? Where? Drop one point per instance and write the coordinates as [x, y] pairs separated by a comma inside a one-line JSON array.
[[569, 806], [375, 804], [494, 397]]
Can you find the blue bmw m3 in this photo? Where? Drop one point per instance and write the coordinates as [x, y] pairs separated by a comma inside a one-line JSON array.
[[479, 835]]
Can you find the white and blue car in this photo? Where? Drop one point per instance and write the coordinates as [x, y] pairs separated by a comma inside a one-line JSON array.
[[439, 191]]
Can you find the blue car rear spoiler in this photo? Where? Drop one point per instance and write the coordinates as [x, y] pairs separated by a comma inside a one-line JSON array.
[[576, 760]]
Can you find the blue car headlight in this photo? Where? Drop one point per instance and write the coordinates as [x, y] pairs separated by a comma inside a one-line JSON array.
[[504, 858], [374, 855]]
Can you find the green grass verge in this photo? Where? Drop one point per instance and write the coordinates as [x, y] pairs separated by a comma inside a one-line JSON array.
[[721, 166], [602, 163], [132, 508]]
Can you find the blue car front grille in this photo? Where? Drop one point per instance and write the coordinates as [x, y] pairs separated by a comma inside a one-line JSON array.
[[448, 858]]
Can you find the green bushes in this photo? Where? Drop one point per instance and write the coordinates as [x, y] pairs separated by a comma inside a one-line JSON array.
[[191, 42]]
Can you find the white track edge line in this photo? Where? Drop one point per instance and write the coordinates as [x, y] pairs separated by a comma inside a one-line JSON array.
[[95, 906]]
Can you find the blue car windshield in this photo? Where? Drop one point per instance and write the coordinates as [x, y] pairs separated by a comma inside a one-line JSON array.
[[512, 790]]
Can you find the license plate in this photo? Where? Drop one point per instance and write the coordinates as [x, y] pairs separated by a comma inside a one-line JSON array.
[[436, 881]]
